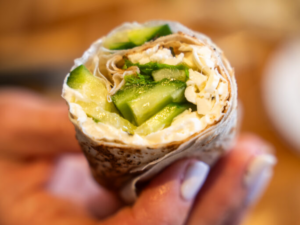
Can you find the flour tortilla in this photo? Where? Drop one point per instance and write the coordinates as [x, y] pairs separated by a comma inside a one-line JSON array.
[[120, 166]]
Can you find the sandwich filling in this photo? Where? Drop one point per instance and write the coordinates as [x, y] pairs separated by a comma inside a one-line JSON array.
[[156, 92]]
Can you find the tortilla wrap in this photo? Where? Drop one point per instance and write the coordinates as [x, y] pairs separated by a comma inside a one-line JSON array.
[[119, 165]]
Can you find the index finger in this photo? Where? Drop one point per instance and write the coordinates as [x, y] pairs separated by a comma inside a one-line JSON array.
[[32, 125], [235, 182]]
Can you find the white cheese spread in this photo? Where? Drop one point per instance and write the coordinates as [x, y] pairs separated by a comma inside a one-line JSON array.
[[156, 54]]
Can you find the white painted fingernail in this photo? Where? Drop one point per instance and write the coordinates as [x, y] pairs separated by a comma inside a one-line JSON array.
[[258, 176], [195, 177]]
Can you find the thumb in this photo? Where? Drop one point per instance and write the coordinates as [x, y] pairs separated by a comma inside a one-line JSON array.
[[168, 198]]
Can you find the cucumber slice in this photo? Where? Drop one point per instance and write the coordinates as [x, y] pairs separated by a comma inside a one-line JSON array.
[[91, 87], [132, 38], [121, 45], [140, 36], [171, 74], [150, 67], [178, 96], [100, 115], [149, 103], [123, 96], [162, 119], [78, 77]]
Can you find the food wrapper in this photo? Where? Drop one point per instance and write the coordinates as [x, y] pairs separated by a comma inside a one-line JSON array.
[[120, 166]]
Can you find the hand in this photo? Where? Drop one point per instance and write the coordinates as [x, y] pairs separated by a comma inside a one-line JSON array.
[[40, 184]]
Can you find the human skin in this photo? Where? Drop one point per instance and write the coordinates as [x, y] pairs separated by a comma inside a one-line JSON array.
[[35, 133]]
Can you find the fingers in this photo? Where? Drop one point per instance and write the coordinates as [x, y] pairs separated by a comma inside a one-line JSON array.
[[72, 180], [236, 182], [19, 179], [32, 125], [168, 198], [24, 201]]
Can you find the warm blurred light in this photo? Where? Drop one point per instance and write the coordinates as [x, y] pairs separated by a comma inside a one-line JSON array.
[[44, 33], [281, 91]]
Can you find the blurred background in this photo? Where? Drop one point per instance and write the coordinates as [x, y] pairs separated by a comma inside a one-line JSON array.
[[39, 39]]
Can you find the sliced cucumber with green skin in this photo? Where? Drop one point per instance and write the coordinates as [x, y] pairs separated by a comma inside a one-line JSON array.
[[100, 115], [136, 37], [171, 74], [137, 103], [121, 45], [123, 96], [79, 77], [148, 68], [91, 87], [140, 36], [178, 96], [162, 119], [149, 103]]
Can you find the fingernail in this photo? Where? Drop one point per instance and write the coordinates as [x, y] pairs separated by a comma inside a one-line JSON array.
[[194, 178], [258, 176]]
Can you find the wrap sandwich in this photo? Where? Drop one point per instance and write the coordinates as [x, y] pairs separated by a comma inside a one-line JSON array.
[[147, 95]]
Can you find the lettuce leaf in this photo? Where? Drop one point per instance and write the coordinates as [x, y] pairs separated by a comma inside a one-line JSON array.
[[138, 79], [148, 68]]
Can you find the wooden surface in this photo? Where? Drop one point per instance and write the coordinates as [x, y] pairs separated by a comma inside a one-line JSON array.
[[43, 35]]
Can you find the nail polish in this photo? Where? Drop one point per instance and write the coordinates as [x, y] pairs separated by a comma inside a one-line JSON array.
[[194, 178], [258, 175]]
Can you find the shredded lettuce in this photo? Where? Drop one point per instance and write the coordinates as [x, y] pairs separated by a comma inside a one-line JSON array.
[[138, 79], [148, 68]]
